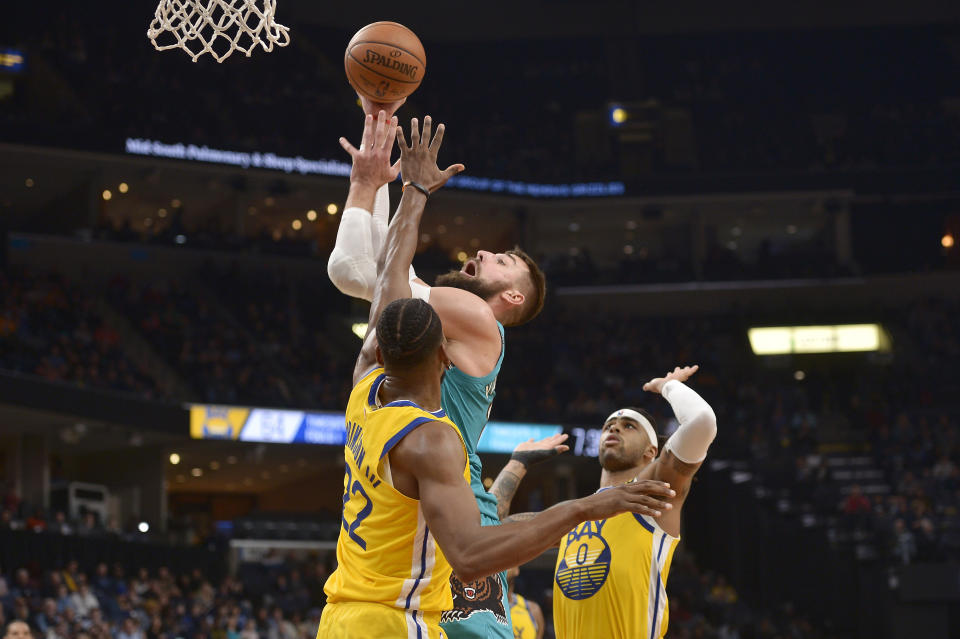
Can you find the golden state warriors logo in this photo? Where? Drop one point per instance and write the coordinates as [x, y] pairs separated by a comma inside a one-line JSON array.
[[217, 422], [585, 564]]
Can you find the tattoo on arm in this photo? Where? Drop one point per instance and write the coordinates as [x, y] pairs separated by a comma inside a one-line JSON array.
[[504, 488], [518, 517]]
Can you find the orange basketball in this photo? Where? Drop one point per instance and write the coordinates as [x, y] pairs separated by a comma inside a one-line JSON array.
[[385, 61]]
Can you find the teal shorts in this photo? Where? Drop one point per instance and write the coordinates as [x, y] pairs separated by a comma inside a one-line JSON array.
[[480, 609]]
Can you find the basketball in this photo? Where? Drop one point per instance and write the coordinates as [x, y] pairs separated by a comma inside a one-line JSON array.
[[385, 61]]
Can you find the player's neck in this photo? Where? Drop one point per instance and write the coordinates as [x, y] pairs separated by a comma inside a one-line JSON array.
[[609, 478], [413, 388]]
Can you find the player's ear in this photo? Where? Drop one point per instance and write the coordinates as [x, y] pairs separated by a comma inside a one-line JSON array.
[[650, 453], [513, 297], [379, 356]]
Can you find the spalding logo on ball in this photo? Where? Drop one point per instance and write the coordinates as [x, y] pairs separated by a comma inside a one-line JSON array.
[[385, 61]]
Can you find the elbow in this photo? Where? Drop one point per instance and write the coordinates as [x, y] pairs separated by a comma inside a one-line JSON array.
[[708, 421], [348, 279], [466, 567]]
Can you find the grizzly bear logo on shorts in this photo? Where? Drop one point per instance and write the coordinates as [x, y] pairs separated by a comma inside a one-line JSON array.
[[477, 596]]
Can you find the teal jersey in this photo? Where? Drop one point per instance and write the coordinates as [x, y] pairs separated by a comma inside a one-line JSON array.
[[480, 609], [467, 401]]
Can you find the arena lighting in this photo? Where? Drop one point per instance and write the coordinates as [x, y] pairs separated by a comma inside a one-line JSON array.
[[359, 329], [332, 209], [143, 527], [312, 215], [946, 241], [106, 194], [618, 115], [842, 338], [123, 187], [174, 458]]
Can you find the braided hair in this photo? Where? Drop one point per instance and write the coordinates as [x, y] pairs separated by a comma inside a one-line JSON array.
[[408, 332]]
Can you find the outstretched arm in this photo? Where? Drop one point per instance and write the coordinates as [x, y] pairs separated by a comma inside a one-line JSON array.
[[420, 166], [428, 465], [526, 454], [684, 452], [352, 266]]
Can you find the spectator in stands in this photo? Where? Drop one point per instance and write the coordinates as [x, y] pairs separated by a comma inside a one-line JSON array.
[[64, 599], [6, 520], [60, 525], [48, 618], [71, 575], [23, 587], [904, 544], [21, 609], [130, 630], [37, 522], [856, 502], [84, 601], [280, 627], [88, 525]]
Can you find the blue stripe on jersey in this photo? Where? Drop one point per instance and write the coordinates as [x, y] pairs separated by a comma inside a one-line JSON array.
[[643, 522], [656, 601], [419, 630], [403, 433], [407, 402], [423, 569], [374, 387]]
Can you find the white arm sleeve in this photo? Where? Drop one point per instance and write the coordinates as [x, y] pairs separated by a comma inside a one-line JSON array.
[[380, 219], [698, 423], [352, 266]]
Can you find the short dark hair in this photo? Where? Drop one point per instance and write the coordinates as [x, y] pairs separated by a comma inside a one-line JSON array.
[[408, 332], [535, 296]]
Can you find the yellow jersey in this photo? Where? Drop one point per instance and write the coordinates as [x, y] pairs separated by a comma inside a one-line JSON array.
[[611, 578], [524, 626], [386, 553]]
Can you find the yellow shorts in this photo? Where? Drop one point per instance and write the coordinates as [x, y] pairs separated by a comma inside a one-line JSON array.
[[376, 621]]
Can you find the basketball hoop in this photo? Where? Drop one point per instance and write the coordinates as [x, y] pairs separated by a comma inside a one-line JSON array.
[[217, 27]]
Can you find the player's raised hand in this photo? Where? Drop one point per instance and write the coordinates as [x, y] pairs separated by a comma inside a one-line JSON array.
[[418, 161], [533, 452], [642, 496], [371, 162], [655, 385]]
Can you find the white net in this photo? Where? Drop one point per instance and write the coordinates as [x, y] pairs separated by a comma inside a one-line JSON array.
[[217, 27]]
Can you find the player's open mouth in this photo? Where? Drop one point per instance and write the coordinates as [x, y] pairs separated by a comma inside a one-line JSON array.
[[470, 268]]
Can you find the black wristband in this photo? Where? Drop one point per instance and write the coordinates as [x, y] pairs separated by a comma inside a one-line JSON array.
[[417, 186], [530, 457]]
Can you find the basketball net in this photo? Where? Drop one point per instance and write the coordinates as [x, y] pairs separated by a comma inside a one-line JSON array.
[[217, 27]]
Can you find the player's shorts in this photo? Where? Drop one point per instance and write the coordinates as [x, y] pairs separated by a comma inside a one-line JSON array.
[[357, 620]]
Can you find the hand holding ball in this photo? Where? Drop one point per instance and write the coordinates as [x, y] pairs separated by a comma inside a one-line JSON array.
[[385, 61]]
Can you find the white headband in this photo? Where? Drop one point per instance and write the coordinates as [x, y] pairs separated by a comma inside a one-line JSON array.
[[640, 419]]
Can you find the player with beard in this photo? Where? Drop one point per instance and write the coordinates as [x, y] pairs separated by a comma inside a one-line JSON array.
[[611, 574], [490, 291], [409, 514]]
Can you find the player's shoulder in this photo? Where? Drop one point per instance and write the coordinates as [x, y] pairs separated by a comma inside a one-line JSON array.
[[431, 440]]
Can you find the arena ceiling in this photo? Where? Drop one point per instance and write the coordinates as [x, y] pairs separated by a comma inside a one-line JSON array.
[[498, 19]]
